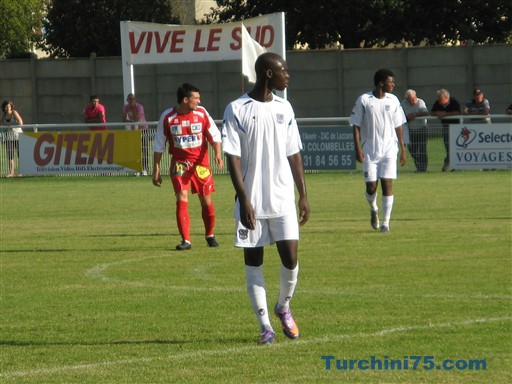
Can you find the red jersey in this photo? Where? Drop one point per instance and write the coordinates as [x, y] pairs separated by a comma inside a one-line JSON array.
[[188, 135]]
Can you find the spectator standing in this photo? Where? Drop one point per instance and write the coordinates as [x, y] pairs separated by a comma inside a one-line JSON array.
[[415, 131], [134, 112], [188, 128], [377, 119], [12, 119], [478, 105], [262, 143], [95, 112], [444, 107]]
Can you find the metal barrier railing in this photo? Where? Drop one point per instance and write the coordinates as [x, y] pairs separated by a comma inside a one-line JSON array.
[[427, 143]]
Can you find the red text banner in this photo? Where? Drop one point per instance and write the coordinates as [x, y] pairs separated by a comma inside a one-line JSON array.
[[149, 43]]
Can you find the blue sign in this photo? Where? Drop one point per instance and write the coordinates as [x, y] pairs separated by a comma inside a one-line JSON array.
[[328, 147]]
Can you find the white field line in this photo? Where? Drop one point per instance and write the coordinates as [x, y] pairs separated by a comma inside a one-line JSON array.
[[100, 272], [248, 348]]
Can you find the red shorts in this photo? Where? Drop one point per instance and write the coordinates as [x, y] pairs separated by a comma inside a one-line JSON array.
[[184, 175]]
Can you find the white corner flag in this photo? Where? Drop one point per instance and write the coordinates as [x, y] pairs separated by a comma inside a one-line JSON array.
[[251, 49]]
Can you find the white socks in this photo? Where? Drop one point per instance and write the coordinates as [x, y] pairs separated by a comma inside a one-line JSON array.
[[387, 207], [372, 200], [287, 283], [258, 296]]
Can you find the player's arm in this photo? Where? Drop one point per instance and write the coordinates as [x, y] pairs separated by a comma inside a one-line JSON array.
[[401, 143], [159, 145], [357, 139], [218, 155], [246, 210], [297, 168], [157, 177]]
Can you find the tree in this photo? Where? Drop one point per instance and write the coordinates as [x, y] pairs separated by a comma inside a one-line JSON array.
[[76, 28], [357, 24], [20, 26]]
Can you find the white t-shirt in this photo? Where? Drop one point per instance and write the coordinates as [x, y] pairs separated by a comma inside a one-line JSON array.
[[377, 119], [263, 135], [418, 122]]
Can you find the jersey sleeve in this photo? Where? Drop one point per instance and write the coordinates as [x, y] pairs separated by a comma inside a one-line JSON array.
[[213, 131], [160, 139], [356, 117], [230, 136], [399, 117], [294, 144]]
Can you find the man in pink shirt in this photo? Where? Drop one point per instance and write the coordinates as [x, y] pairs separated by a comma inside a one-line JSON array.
[[133, 111], [94, 112]]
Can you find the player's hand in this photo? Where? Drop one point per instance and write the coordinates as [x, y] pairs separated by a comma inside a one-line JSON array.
[[219, 162], [247, 215], [157, 179], [304, 210], [403, 158]]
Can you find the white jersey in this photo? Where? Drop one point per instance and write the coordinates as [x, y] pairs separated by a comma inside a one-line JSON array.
[[263, 135], [377, 119]]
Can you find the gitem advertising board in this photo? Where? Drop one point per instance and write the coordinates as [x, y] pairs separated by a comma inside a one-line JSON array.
[[480, 146], [80, 152]]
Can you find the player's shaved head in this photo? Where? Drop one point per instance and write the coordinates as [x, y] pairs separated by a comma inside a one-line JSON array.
[[267, 60]]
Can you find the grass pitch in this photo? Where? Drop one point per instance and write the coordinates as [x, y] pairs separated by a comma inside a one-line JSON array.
[[92, 290]]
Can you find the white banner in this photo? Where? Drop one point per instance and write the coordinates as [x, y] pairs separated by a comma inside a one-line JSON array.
[[480, 146], [150, 43]]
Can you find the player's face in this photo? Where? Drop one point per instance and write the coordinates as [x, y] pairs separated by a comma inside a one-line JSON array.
[[389, 84], [95, 102], [193, 101], [280, 76]]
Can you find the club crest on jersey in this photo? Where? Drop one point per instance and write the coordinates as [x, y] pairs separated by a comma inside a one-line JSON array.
[[242, 234], [176, 129], [388, 108], [280, 118]]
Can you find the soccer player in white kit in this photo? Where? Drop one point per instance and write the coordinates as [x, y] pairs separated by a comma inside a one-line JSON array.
[[261, 140], [377, 120]]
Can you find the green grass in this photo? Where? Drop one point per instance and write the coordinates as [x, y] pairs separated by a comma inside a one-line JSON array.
[[93, 292]]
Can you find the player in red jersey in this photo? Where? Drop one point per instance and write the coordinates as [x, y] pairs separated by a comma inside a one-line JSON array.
[[188, 128]]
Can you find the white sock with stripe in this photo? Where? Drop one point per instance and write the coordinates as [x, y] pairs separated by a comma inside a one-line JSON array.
[[258, 295]]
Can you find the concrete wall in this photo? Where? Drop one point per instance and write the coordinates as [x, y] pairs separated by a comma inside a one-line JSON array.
[[323, 83]]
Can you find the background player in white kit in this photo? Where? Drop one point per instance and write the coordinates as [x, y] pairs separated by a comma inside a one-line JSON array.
[[261, 140], [377, 119]]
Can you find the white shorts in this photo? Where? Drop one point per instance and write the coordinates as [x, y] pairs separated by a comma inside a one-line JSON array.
[[384, 168], [268, 231]]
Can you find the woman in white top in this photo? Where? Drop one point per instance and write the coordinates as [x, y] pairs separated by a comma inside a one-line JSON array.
[[12, 119]]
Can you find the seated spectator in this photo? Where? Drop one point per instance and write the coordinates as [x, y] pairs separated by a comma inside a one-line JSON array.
[[478, 105]]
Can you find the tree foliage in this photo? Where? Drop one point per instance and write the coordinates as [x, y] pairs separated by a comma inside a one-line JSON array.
[[76, 28], [20, 26], [358, 24]]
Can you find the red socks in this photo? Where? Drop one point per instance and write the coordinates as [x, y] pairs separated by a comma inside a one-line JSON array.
[[208, 214], [183, 219]]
